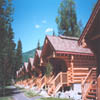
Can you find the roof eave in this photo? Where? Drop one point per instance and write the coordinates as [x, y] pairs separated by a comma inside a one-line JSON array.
[[75, 53], [90, 21]]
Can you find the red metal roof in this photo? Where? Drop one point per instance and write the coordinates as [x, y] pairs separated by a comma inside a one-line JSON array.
[[90, 21], [67, 44]]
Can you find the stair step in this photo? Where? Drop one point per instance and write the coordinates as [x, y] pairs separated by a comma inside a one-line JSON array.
[[91, 96], [91, 99], [92, 93], [94, 89]]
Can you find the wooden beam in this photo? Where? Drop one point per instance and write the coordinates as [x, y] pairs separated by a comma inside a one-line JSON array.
[[62, 57], [95, 37], [84, 43], [75, 53]]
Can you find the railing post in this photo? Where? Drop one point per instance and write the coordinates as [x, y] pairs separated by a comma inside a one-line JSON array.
[[54, 85], [45, 80], [82, 90], [61, 77]]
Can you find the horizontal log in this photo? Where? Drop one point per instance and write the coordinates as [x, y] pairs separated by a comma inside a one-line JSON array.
[[80, 68], [77, 81], [78, 78], [80, 74]]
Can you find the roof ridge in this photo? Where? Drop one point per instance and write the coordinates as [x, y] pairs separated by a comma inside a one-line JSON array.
[[69, 37]]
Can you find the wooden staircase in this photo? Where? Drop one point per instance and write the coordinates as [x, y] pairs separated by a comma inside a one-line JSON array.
[[91, 93], [57, 83], [89, 86], [49, 80], [42, 82]]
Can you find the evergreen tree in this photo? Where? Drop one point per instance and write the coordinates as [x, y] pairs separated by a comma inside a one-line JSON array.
[[7, 44], [49, 69], [11, 53], [19, 56], [38, 45], [67, 20], [3, 43]]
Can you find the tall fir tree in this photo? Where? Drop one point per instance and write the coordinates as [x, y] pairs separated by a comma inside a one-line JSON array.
[[38, 45], [3, 42], [7, 45], [19, 58], [11, 53], [67, 20]]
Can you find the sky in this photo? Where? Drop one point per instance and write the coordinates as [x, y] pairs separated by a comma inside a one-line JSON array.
[[34, 19]]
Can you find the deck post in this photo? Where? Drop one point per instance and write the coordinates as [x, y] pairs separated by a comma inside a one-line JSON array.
[[61, 77], [98, 88]]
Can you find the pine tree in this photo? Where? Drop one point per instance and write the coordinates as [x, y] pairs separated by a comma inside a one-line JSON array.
[[19, 56], [11, 53], [49, 69], [67, 20], [38, 45], [7, 45], [3, 44]]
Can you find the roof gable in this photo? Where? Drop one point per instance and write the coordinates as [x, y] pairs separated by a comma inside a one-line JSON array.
[[31, 60], [38, 53], [67, 44], [37, 57], [25, 65], [90, 21]]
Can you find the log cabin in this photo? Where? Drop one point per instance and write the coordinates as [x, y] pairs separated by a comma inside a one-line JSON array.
[[31, 67], [71, 63], [40, 70], [19, 75], [21, 72], [90, 38], [26, 76], [25, 67]]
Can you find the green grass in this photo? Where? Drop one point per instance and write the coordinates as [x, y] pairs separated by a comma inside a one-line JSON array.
[[6, 98], [53, 99], [19, 87], [30, 94]]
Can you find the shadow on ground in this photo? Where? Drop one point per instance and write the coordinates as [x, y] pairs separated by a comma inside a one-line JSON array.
[[10, 91]]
